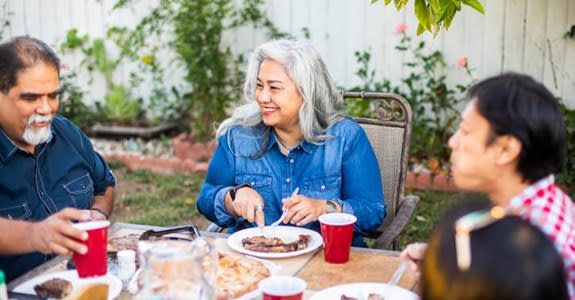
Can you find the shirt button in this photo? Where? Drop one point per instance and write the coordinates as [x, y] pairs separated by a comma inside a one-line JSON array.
[[322, 187], [83, 187], [291, 161], [288, 180], [252, 183], [41, 194]]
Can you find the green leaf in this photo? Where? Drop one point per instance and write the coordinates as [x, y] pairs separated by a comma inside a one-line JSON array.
[[400, 3], [435, 6], [420, 29], [374, 1], [387, 2], [447, 16], [475, 4], [457, 4], [423, 15]]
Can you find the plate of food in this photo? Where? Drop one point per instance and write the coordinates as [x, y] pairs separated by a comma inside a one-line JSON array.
[[365, 291], [288, 241], [237, 277], [61, 284]]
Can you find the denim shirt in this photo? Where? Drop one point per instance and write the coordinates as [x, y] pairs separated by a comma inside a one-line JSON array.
[[64, 172], [343, 169]]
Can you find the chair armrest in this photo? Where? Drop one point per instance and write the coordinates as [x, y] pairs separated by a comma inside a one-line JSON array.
[[398, 223]]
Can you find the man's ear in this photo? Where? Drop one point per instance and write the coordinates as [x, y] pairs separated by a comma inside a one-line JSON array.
[[509, 149]]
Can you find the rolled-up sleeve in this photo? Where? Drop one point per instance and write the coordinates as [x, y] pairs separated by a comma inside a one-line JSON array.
[[103, 176]]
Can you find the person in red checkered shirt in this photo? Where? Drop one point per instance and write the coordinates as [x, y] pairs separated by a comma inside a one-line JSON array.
[[511, 140]]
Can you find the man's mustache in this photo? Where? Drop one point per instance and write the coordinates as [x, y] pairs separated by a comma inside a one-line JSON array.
[[37, 119]]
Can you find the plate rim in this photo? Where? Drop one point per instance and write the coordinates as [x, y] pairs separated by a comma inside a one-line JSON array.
[[112, 294], [236, 246], [318, 294]]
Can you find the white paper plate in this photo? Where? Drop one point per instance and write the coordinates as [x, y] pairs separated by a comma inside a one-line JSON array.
[[114, 282], [286, 233], [362, 290]]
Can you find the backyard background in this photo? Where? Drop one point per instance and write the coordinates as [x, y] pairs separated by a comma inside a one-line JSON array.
[[180, 63], [520, 35]]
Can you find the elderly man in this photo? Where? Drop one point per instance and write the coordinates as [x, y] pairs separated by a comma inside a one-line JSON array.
[[510, 142], [50, 176]]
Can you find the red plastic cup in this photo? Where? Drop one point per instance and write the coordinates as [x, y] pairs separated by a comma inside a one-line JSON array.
[[94, 262], [282, 288], [337, 233]]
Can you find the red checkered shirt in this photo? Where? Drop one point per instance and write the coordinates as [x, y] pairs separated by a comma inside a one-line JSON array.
[[547, 207]]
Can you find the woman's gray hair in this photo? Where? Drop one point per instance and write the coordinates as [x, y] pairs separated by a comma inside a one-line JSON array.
[[322, 103]]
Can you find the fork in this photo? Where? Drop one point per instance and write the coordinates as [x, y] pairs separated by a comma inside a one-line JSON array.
[[394, 278], [273, 225], [397, 275]]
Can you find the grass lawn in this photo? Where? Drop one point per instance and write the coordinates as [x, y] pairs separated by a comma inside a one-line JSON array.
[[144, 197]]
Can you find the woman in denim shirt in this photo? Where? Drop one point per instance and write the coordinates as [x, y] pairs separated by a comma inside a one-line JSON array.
[[290, 134]]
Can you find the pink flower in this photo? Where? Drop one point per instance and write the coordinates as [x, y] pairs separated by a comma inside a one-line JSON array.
[[401, 27], [63, 66], [462, 62]]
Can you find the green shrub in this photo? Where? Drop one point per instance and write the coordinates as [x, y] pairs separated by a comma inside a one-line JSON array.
[[72, 105], [433, 101], [193, 30], [118, 105]]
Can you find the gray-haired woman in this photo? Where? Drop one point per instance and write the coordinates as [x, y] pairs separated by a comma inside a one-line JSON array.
[[291, 134]]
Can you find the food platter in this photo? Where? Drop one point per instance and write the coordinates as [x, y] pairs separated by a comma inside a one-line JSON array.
[[286, 233], [361, 291], [272, 269], [115, 284]]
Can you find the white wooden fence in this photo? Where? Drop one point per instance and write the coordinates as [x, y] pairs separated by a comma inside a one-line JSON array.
[[514, 35]]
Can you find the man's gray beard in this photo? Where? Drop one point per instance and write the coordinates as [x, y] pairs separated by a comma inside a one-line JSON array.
[[38, 136]]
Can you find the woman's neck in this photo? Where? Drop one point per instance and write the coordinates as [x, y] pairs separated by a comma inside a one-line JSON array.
[[288, 140]]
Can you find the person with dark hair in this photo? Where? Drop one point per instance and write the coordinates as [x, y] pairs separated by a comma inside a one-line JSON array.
[[291, 134], [50, 174], [511, 140], [478, 252]]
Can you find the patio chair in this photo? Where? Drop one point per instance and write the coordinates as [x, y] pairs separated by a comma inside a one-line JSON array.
[[389, 132]]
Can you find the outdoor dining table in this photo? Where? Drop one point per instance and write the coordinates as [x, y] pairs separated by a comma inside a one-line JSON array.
[[364, 265]]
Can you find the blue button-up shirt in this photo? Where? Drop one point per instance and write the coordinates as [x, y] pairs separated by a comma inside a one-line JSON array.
[[343, 169], [64, 172]]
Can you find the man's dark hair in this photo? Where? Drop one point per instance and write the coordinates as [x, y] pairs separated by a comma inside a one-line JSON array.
[[517, 105], [20, 53]]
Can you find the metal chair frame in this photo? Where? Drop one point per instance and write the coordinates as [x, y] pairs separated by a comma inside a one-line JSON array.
[[390, 111]]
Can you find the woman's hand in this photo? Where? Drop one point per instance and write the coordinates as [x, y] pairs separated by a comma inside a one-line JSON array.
[[302, 209], [249, 205]]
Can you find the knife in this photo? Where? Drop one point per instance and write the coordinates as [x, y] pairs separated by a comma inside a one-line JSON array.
[[22, 296]]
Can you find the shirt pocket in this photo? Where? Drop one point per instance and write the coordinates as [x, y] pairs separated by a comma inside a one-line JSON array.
[[81, 191], [259, 182], [322, 187], [16, 212]]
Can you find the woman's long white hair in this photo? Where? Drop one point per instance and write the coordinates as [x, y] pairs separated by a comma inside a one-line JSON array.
[[322, 103]]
